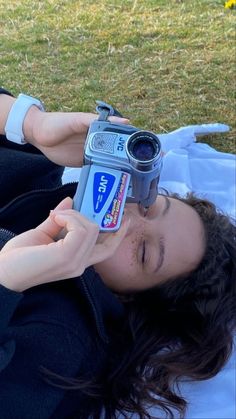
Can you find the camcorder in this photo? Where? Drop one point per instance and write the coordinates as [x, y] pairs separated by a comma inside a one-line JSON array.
[[121, 164]]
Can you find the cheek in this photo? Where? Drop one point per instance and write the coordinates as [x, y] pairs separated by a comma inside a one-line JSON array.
[[120, 271], [124, 261], [125, 258]]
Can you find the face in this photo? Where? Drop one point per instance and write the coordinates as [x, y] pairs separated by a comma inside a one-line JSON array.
[[167, 242]]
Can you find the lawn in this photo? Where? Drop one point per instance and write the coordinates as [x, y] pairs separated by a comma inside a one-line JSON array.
[[163, 64]]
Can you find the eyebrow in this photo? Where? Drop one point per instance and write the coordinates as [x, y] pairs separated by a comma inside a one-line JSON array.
[[161, 255], [167, 205], [161, 241]]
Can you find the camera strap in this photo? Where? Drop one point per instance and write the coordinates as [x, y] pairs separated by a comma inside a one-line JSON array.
[[105, 110]]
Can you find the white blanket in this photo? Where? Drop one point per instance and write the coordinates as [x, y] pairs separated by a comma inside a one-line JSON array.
[[197, 167]]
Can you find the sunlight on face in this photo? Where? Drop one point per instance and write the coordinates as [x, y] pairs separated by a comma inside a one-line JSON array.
[[168, 242]]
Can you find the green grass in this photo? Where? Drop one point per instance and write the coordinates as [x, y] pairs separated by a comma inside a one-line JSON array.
[[163, 64]]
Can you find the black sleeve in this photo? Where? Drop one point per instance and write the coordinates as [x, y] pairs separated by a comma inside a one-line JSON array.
[[5, 92], [35, 333], [22, 171], [9, 301]]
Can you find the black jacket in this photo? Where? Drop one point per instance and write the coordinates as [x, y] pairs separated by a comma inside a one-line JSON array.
[[63, 326]]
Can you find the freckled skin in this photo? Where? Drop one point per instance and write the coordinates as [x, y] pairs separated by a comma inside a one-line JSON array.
[[180, 229], [134, 251]]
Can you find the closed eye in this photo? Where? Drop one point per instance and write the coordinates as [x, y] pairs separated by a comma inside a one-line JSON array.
[[143, 252]]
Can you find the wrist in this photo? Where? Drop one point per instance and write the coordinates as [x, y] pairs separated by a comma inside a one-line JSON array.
[[30, 122]]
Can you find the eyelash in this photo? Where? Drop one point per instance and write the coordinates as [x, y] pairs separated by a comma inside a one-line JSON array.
[[144, 252]]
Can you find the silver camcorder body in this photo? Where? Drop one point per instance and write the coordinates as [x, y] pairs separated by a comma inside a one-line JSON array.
[[121, 164]]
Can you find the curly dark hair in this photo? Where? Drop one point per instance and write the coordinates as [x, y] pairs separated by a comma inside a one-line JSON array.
[[182, 328]]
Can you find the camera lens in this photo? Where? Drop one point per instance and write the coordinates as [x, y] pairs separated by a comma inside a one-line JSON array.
[[143, 146], [143, 150]]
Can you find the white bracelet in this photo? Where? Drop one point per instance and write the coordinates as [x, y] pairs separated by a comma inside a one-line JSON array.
[[16, 116]]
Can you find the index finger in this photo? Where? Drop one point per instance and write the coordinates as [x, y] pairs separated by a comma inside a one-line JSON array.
[[118, 120], [90, 117]]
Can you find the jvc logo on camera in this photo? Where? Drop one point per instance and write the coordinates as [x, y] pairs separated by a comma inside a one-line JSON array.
[[102, 186], [121, 143]]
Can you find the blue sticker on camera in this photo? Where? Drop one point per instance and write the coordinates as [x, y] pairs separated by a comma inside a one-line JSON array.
[[102, 186]]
